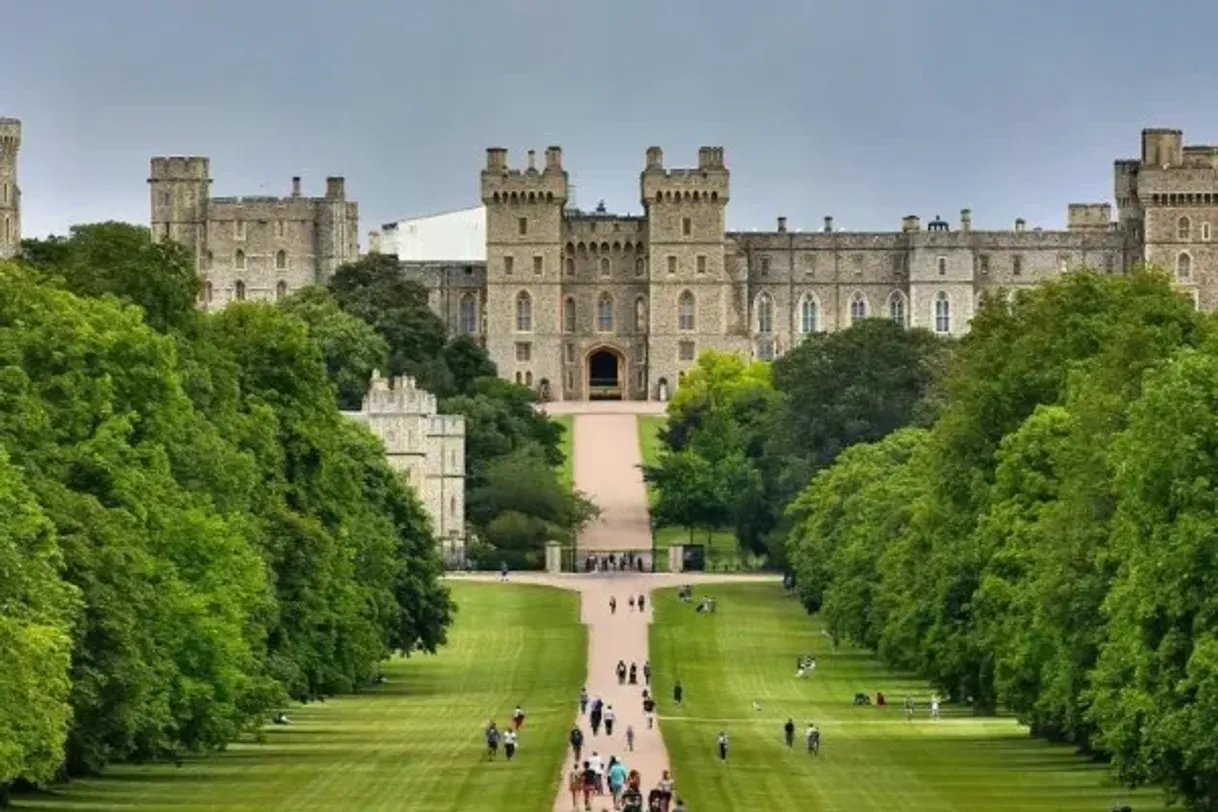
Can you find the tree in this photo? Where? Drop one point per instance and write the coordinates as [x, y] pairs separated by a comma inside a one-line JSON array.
[[351, 349]]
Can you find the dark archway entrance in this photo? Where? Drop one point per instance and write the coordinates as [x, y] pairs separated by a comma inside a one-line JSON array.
[[604, 375]]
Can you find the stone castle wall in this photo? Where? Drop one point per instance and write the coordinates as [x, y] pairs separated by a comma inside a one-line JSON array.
[[425, 447]]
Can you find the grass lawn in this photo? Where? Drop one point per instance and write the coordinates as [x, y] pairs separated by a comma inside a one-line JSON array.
[[871, 758], [566, 474], [414, 743]]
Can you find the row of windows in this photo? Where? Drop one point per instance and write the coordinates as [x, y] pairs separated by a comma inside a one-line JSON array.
[[605, 266], [239, 260], [239, 291], [981, 262], [239, 228], [1184, 230]]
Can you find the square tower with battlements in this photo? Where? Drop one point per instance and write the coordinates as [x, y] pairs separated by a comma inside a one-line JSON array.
[[252, 248], [10, 191]]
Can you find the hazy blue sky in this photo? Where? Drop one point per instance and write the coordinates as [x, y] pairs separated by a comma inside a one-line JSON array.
[[863, 109]]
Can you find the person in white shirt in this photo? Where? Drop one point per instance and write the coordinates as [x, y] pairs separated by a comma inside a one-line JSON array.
[[509, 744], [610, 718], [934, 707], [598, 766], [722, 746]]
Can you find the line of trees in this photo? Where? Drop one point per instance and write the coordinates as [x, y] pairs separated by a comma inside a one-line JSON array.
[[191, 534], [1048, 543]]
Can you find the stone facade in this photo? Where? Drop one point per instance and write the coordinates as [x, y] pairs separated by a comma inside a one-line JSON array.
[[427, 448], [577, 303], [256, 248], [10, 191]]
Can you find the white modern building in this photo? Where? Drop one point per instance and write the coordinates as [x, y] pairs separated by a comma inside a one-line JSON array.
[[453, 237]]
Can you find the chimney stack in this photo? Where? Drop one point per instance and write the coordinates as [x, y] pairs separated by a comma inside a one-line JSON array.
[[1019, 225], [554, 158], [532, 159], [966, 220], [782, 225], [911, 222], [828, 224], [296, 186]]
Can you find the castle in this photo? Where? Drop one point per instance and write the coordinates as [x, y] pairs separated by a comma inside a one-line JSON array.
[[587, 304], [251, 248], [427, 448], [10, 192]]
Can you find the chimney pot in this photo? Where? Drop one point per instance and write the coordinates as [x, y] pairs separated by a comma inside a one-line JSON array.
[[782, 224], [828, 224], [296, 186], [532, 159]]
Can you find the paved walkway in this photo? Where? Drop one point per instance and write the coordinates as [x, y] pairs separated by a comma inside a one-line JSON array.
[[606, 467]]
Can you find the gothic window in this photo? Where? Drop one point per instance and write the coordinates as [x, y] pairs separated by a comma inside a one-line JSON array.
[[239, 261], [524, 312], [281, 260], [604, 266], [896, 308], [604, 313], [809, 315], [943, 313], [568, 314], [765, 313], [858, 307], [239, 291], [640, 315], [685, 312], [281, 289], [1184, 229], [467, 314], [528, 377], [569, 264], [1184, 266]]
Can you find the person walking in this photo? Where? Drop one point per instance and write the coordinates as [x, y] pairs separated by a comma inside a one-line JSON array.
[[788, 732], [722, 742], [610, 718], [642, 601], [631, 602], [649, 709], [612, 605], [492, 741], [633, 677], [518, 718], [583, 701], [503, 571], [616, 776], [813, 739], [509, 744], [677, 692], [576, 739], [666, 788], [630, 738], [647, 672], [575, 785]]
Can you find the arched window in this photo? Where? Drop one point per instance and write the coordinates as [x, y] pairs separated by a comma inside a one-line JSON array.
[[1184, 229], [896, 308], [281, 289], [604, 313], [858, 307], [528, 377], [569, 264], [809, 315], [765, 313], [568, 314], [467, 314], [1184, 265], [239, 260], [239, 290], [604, 266], [640, 315], [943, 313], [281, 260], [524, 312], [685, 312]]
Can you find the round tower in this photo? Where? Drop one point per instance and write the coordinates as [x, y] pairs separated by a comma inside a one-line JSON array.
[[10, 192]]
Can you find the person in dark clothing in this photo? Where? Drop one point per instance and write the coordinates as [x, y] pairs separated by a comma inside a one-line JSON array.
[[594, 718], [722, 742], [649, 710], [788, 732], [677, 692], [621, 672], [642, 602], [576, 738], [634, 674], [492, 741], [612, 605], [647, 672], [583, 701]]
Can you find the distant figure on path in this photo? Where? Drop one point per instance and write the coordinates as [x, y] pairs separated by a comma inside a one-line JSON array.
[[612, 605], [909, 707], [788, 732], [647, 672], [492, 741], [589, 783], [634, 674], [518, 718], [610, 718], [677, 692], [594, 718], [575, 784], [576, 739], [722, 746], [934, 707], [583, 701], [503, 571], [642, 601], [631, 602], [630, 738], [621, 672], [813, 739], [666, 788], [649, 709], [509, 744], [617, 780]]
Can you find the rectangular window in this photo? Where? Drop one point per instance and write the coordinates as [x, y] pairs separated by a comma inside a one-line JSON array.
[[524, 352], [508, 265], [983, 263], [568, 353], [278, 228], [898, 263], [523, 225], [685, 350], [941, 264], [238, 229], [765, 350], [1017, 265], [765, 266], [809, 261], [570, 381], [687, 226], [538, 265], [701, 264], [672, 264], [640, 353]]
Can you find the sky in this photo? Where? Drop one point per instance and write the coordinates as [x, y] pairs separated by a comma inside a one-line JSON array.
[[866, 110]]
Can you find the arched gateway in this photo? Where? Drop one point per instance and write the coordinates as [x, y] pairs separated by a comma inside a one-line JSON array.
[[605, 373]]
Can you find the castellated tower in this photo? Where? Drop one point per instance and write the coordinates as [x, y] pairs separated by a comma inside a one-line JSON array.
[[524, 227], [689, 287], [10, 192], [180, 189]]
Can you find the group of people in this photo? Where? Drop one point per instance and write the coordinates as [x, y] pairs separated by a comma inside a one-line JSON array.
[[805, 666], [811, 736], [640, 603], [613, 562], [508, 738], [630, 676]]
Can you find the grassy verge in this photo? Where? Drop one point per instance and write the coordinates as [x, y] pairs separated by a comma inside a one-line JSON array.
[[566, 471], [871, 758], [412, 743]]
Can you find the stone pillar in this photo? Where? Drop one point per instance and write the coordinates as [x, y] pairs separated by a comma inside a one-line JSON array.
[[553, 557], [676, 558]]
